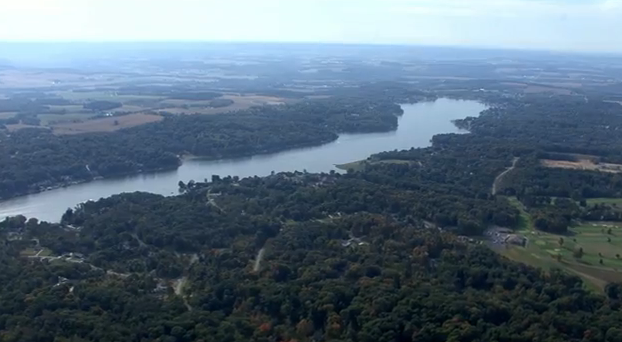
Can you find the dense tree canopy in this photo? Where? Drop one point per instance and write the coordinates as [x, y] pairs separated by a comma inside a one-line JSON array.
[[350, 268]]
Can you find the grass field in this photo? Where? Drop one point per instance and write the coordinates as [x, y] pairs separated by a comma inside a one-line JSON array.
[[103, 96], [361, 164], [240, 102], [49, 119], [600, 241], [17, 127], [7, 115], [108, 124], [356, 166], [28, 252], [616, 201]]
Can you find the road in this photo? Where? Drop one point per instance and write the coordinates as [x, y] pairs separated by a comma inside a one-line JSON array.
[[497, 182]]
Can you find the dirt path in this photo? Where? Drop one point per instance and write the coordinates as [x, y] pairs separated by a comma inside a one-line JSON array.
[[180, 283], [595, 281], [179, 290], [141, 243], [497, 182], [212, 201], [258, 259]]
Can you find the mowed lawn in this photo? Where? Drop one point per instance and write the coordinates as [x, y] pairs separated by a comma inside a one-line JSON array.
[[600, 263]]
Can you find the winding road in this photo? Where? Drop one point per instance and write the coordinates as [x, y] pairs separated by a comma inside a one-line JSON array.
[[499, 178]]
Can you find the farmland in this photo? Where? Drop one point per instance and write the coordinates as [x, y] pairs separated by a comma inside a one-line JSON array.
[[74, 107]]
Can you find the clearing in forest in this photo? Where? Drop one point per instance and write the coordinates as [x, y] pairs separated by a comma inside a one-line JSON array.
[[582, 164], [362, 164], [108, 124], [240, 102], [616, 202], [592, 250], [499, 178]]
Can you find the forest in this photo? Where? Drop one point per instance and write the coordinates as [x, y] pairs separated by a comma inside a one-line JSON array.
[[275, 259]]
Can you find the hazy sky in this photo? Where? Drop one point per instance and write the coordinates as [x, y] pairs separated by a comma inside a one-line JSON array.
[[582, 25]]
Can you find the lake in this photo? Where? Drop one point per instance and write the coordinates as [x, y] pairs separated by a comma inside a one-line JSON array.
[[416, 127]]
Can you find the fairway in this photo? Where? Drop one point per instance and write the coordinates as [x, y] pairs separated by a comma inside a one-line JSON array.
[[601, 243]]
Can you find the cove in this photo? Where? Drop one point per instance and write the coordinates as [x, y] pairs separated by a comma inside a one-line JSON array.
[[416, 127]]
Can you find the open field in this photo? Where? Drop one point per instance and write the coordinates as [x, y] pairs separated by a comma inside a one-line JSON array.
[[128, 109], [17, 127], [583, 164], [240, 102], [540, 89], [361, 164], [7, 115], [73, 118], [616, 201], [73, 108], [356, 166], [35, 79], [196, 110], [108, 124], [601, 242], [50, 119], [103, 96]]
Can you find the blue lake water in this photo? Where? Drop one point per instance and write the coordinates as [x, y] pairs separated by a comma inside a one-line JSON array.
[[416, 127]]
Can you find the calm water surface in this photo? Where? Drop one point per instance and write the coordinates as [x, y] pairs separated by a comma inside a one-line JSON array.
[[416, 127]]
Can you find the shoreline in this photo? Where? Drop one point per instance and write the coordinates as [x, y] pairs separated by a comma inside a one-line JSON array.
[[184, 157], [181, 158]]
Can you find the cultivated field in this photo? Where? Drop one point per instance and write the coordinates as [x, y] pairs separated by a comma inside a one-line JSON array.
[[599, 263], [108, 124]]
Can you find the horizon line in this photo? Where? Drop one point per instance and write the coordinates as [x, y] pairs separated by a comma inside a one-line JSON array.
[[334, 43]]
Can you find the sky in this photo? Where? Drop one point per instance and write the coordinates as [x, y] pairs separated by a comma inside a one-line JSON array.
[[571, 25]]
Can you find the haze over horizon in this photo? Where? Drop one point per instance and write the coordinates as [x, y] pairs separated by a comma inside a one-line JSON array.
[[568, 25]]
